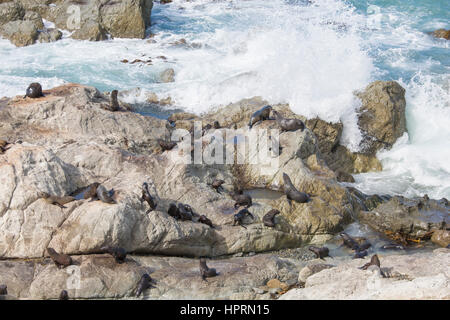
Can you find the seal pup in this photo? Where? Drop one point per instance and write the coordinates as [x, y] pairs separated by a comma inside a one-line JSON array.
[[34, 90], [206, 272], [118, 253], [217, 185], [63, 295], [239, 217], [173, 211], [241, 199], [166, 146], [146, 196], [288, 124], [105, 195], [91, 191], [185, 212], [374, 261], [55, 200], [269, 218], [260, 115], [321, 253], [113, 103], [349, 241], [204, 219], [144, 283], [3, 289], [60, 260], [292, 193]]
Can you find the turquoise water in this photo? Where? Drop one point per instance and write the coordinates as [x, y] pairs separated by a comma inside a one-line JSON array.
[[310, 54]]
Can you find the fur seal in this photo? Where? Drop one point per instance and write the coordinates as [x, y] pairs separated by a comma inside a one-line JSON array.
[[217, 185], [203, 219], [260, 115], [392, 246], [241, 199], [364, 246], [349, 241], [55, 200], [206, 272], [105, 195], [118, 253], [173, 211], [239, 217], [360, 254], [34, 90], [63, 295], [146, 196], [269, 218], [113, 103], [165, 146], [3, 290], [144, 283], [292, 193], [185, 212], [60, 260], [288, 124], [216, 125], [374, 261], [3, 144], [321, 253], [91, 191]]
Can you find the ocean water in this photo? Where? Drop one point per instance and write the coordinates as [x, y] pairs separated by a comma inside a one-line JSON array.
[[310, 54]]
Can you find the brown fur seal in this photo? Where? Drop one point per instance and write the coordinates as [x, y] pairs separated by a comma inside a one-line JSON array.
[[63, 295], [217, 184], [34, 90], [321, 253], [60, 260], [113, 103], [165, 146], [118, 253], [91, 191], [292, 193], [144, 283], [360, 254], [203, 219], [288, 124], [173, 211], [146, 196], [3, 290], [104, 195], [374, 261], [185, 212], [206, 272], [241, 199], [239, 217], [269, 218], [3, 144], [349, 241], [260, 115], [55, 200], [392, 246]]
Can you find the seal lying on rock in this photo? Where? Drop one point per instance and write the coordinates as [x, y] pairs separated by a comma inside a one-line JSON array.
[[392, 246], [217, 184], [185, 212], [173, 211], [239, 217], [349, 241], [63, 295], [3, 289], [260, 115], [144, 283], [206, 272], [269, 218], [241, 199], [3, 145], [165, 146], [91, 191], [288, 124], [146, 196], [292, 193], [60, 260], [55, 200], [34, 90], [203, 219], [321, 253], [118, 253], [105, 195]]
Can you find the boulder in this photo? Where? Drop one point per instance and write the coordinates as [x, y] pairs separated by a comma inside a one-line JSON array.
[[49, 35], [90, 30], [10, 11], [441, 238], [382, 115], [20, 33], [442, 33]]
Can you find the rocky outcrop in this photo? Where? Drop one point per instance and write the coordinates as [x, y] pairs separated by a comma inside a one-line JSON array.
[[441, 238], [98, 276], [408, 219], [442, 33], [20, 33], [414, 276], [382, 115]]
